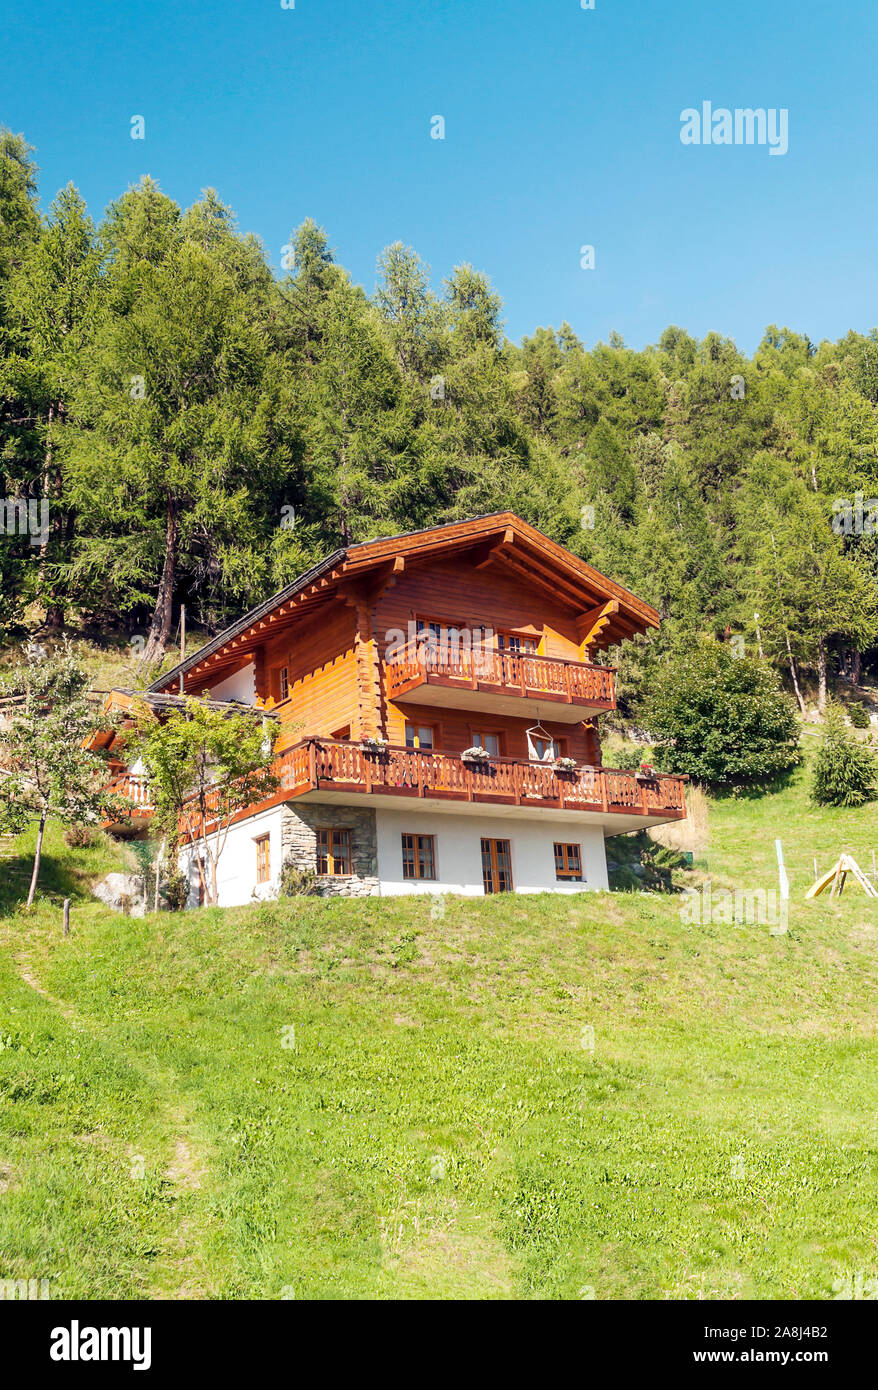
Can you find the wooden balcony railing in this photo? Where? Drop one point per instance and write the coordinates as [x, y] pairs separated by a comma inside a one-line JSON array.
[[335, 765], [507, 673], [135, 790], [327, 764]]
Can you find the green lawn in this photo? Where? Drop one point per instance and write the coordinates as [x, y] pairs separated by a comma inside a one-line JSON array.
[[439, 1130]]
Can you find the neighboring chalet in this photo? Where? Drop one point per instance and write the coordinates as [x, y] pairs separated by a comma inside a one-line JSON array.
[[437, 695]]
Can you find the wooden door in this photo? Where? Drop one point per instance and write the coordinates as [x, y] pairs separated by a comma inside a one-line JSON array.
[[496, 866]]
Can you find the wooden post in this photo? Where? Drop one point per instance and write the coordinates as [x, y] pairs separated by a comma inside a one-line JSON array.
[[66, 924]]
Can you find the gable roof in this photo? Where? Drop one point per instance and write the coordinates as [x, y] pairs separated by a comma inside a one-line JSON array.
[[502, 538]]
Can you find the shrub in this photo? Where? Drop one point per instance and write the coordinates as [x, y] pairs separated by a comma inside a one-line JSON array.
[[295, 882], [845, 769], [721, 718], [629, 757], [174, 889], [80, 837], [857, 714]]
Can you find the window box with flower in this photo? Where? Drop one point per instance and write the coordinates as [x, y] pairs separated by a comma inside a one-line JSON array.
[[476, 754]]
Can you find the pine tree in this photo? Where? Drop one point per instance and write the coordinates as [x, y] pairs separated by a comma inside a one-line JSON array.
[[845, 770], [52, 301]]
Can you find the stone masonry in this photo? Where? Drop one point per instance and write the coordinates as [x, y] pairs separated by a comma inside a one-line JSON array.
[[299, 846]]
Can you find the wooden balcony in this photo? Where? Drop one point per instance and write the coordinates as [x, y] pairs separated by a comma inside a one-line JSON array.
[[336, 769], [499, 682], [140, 809]]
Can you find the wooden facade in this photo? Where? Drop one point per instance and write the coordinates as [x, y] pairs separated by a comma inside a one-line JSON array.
[[480, 633]]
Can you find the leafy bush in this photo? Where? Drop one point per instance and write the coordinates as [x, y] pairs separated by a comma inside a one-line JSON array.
[[296, 882], [845, 770], [174, 889], [629, 757], [80, 837], [857, 714], [721, 718]]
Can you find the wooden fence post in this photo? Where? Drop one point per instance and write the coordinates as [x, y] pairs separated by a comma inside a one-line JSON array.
[[66, 924]]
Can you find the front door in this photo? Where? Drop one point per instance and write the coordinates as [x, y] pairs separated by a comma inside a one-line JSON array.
[[496, 866]]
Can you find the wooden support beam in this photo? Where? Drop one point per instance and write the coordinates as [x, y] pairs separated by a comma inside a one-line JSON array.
[[482, 555], [590, 625]]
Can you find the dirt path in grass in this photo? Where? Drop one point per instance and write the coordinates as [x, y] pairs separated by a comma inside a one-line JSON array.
[[181, 1272]]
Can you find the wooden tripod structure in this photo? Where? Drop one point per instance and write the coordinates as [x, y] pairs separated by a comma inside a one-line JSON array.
[[837, 876]]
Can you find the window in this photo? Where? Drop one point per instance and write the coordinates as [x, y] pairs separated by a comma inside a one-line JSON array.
[[517, 642], [568, 861], [442, 643], [489, 741], [263, 859], [418, 856], [496, 866], [344, 733], [541, 747], [284, 682], [333, 852], [419, 736]]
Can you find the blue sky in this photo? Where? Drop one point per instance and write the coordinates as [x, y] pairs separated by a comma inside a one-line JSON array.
[[562, 129]]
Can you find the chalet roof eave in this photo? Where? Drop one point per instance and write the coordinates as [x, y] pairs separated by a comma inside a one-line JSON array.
[[644, 614], [247, 620], [159, 700], [639, 615]]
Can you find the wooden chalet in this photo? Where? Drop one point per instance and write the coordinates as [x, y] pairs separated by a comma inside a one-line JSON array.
[[437, 694]]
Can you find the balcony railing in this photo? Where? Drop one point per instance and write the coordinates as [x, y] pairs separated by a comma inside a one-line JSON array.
[[134, 789], [336, 765], [327, 764], [506, 673]]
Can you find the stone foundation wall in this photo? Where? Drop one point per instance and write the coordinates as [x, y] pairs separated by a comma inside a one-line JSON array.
[[299, 846]]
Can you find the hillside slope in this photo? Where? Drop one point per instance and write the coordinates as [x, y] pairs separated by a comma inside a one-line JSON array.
[[400, 1099]]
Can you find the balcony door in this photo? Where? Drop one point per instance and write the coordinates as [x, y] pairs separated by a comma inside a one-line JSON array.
[[496, 866]]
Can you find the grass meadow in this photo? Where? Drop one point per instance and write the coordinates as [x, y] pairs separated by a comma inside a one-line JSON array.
[[508, 1098]]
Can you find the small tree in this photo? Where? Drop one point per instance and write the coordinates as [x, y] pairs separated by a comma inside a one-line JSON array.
[[46, 770], [845, 770], [204, 766], [721, 718], [857, 714]]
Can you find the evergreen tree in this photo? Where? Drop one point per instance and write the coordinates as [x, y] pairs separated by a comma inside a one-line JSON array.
[[845, 770], [52, 303]]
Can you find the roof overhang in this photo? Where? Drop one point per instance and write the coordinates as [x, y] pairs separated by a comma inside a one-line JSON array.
[[603, 611]]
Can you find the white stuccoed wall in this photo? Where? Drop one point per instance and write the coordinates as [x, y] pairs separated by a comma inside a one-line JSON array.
[[458, 855], [458, 852], [236, 877], [240, 686]]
